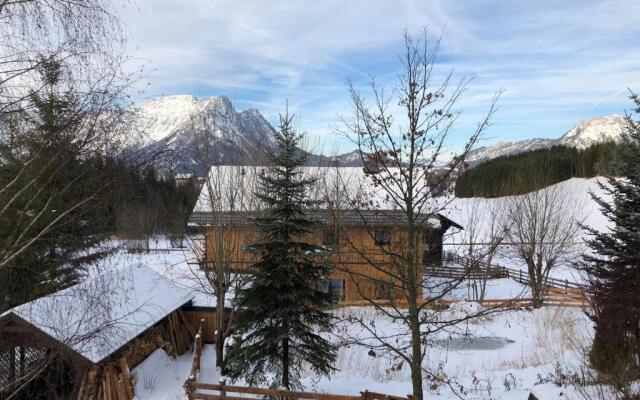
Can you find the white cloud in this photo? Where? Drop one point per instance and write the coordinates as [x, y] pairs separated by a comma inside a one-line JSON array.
[[556, 62]]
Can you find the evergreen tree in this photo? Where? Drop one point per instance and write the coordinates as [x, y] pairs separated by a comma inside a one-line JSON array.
[[45, 161], [614, 266], [283, 308]]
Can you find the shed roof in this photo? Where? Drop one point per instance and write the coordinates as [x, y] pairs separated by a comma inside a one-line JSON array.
[[104, 312]]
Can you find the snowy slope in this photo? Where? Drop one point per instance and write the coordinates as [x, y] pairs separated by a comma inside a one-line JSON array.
[[478, 211], [586, 133]]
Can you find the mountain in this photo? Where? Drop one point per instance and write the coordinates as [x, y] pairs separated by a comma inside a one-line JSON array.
[[185, 130], [175, 129], [586, 133]]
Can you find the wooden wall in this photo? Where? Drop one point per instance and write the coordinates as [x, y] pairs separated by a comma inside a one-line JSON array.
[[210, 325], [351, 258]]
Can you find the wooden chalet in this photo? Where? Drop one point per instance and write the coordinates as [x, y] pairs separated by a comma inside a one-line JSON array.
[[355, 238], [93, 333]]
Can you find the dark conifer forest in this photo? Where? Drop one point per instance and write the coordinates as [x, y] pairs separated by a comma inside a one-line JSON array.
[[532, 170]]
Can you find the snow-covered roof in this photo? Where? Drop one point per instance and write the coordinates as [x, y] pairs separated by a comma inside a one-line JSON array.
[[106, 311], [231, 189]]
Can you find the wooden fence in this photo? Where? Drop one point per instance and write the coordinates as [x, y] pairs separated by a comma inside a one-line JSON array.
[[195, 365], [223, 391], [492, 271]]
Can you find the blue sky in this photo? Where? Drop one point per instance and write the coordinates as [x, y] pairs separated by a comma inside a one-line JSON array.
[[556, 61]]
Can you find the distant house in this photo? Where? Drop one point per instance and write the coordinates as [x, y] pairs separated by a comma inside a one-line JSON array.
[[354, 236], [96, 330]]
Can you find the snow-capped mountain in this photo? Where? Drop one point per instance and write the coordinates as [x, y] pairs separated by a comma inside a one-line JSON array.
[[595, 130], [586, 133], [188, 131]]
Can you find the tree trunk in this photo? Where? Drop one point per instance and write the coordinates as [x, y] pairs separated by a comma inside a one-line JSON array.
[[414, 317], [416, 354], [221, 329], [285, 363], [219, 350], [537, 294]]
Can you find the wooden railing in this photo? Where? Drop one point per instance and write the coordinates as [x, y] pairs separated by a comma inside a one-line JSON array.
[[195, 365], [483, 269], [230, 392]]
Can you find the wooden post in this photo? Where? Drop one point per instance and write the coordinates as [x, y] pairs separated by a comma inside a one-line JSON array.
[[520, 276], [222, 391]]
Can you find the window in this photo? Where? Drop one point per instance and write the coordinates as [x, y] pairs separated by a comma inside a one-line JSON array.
[[382, 237], [330, 237], [386, 291], [335, 287]]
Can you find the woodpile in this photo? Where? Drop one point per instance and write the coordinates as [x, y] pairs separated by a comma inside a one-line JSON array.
[[111, 379]]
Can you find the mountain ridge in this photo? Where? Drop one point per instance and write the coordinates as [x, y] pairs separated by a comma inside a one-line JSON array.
[[584, 134], [177, 126]]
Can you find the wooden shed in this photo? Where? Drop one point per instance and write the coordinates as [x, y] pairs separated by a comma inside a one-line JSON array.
[[93, 333]]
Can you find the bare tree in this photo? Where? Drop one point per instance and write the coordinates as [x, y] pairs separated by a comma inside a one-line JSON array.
[[543, 233], [226, 197], [404, 161], [483, 235]]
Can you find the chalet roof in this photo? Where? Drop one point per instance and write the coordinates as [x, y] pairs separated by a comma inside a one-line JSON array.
[[354, 218], [230, 192], [104, 312]]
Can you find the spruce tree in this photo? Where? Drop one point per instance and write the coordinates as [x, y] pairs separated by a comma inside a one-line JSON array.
[[614, 265], [283, 309]]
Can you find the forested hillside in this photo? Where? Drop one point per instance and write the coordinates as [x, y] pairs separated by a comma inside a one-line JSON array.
[[532, 170]]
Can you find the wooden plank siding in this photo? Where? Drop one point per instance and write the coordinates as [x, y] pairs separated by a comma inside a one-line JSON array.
[[350, 258], [210, 324]]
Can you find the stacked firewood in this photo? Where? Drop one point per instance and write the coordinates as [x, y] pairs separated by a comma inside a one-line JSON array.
[[111, 380], [179, 333]]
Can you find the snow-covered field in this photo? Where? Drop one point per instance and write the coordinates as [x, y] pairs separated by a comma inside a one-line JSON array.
[[478, 211], [501, 356]]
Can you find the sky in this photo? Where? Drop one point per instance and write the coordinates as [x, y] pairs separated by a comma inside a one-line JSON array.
[[556, 62]]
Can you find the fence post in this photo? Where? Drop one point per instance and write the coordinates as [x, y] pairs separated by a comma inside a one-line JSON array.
[[222, 391], [520, 276]]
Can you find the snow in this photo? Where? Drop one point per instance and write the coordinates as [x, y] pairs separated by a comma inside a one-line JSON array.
[[503, 288], [161, 117], [104, 312], [478, 211], [172, 122], [232, 188], [499, 357], [595, 130], [161, 377], [516, 345], [175, 264]]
